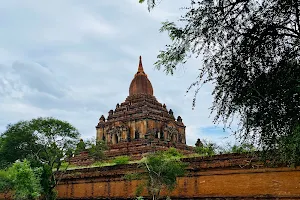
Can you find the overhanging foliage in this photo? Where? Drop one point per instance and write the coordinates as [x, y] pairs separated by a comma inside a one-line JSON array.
[[250, 52]]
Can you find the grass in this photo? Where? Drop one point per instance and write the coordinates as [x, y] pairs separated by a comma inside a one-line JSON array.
[[113, 162], [194, 155], [102, 164], [66, 165], [122, 160]]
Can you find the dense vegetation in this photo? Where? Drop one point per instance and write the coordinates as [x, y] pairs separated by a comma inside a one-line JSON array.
[[22, 180], [33, 151], [44, 142], [94, 148], [162, 169]]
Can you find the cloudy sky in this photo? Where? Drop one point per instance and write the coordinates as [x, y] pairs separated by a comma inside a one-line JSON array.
[[74, 60]]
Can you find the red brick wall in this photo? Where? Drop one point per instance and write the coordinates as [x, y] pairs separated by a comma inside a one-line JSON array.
[[229, 183], [221, 176]]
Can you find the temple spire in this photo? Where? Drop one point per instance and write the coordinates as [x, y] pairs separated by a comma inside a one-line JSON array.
[[140, 84], [140, 69]]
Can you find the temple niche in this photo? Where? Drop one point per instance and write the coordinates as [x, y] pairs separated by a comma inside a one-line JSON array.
[[141, 117]]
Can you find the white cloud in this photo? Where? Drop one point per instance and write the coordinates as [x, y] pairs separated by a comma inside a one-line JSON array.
[[74, 60]]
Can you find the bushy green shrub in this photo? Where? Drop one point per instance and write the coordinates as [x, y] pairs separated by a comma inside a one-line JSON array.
[[81, 146], [22, 180], [162, 171], [139, 191], [102, 164], [133, 176], [121, 160], [172, 152], [162, 168], [237, 148], [96, 149], [5, 182], [207, 149], [243, 148]]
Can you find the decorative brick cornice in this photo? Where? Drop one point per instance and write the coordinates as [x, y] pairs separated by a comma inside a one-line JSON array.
[[140, 107]]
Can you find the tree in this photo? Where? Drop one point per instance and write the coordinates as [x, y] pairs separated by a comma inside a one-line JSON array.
[[22, 180], [151, 3], [5, 182], [81, 146], [286, 151], [45, 142], [206, 149], [162, 169], [96, 149], [17, 142], [251, 54], [243, 148], [162, 173], [238, 148]]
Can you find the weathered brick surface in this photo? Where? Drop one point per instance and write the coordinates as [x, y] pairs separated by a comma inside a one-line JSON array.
[[135, 150], [140, 116], [83, 159], [226, 177], [218, 177]]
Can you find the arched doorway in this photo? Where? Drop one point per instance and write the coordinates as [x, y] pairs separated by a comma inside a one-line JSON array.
[[128, 137], [115, 139], [157, 135], [137, 135], [173, 137], [162, 135]]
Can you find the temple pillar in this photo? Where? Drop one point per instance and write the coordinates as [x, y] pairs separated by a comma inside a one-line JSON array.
[[133, 129], [115, 139], [97, 134], [108, 136], [101, 134]]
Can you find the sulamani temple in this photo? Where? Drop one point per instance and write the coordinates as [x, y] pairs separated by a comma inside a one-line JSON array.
[[141, 123]]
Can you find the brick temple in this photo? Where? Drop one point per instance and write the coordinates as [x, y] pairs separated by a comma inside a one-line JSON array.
[[141, 123]]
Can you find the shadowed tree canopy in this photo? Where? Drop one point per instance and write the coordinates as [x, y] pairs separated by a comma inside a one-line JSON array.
[[43, 141], [21, 181], [162, 168], [250, 53], [46, 140], [96, 148], [80, 147]]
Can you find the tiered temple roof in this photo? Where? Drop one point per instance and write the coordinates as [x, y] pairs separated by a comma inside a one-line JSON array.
[[140, 104], [141, 120]]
